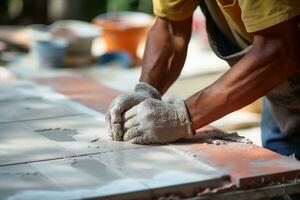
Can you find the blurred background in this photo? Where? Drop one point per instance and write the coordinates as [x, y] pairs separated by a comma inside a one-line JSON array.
[[104, 40], [25, 12]]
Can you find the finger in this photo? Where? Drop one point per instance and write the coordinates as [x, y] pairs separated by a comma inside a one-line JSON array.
[[117, 131], [116, 122], [119, 108], [108, 124], [133, 122], [132, 133], [142, 139], [130, 113], [116, 114]]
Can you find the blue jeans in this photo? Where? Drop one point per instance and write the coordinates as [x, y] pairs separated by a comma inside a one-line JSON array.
[[273, 139]]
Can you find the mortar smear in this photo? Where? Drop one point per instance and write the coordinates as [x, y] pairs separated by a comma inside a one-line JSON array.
[[58, 134]]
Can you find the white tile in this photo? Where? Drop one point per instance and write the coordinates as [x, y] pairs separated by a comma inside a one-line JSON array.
[[31, 109], [25, 100], [21, 90], [162, 169], [16, 179], [88, 177], [20, 93], [18, 84], [62, 173], [69, 178], [141, 174], [79, 134], [20, 144], [85, 161]]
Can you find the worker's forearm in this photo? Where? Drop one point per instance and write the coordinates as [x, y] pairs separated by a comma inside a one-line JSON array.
[[263, 68], [165, 52]]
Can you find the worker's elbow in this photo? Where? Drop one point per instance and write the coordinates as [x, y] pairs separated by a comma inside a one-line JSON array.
[[270, 49], [278, 53]]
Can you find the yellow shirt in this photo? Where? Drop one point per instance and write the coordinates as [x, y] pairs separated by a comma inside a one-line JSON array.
[[242, 16]]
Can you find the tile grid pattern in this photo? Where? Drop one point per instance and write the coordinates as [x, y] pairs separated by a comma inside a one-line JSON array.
[[259, 166], [59, 149], [71, 176]]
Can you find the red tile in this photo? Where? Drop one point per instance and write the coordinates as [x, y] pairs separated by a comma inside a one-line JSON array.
[[82, 89], [249, 165]]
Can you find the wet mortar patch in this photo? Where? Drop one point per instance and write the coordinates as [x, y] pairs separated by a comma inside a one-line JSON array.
[[58, 134]]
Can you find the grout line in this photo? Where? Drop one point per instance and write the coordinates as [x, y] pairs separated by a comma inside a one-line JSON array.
[[55, 117], [18, 100], [71, 156]]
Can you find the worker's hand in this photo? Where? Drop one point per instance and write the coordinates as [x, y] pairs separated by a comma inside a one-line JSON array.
[[123, 103], [154, 121]]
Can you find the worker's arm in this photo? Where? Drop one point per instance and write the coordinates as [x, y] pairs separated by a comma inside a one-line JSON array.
[[163, 60], [272, 59], [165, 52]]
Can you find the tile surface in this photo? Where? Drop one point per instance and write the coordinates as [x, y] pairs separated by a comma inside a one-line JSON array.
[[66, 153], [119, 175], [163, 170], [82, 89], [81, 160], [56, 148], [31, 109], [90, 177], [79, 134], [17, 179], [22, 90], [18, 144], [248, 165]]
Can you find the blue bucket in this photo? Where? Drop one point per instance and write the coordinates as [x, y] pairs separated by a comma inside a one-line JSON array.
[[50, 53]]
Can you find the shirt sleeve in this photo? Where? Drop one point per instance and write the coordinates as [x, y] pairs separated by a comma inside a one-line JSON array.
[[262, 14], [176, 10]]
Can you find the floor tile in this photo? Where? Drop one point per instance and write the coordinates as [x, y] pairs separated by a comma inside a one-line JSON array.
[[82, 89], [31, 109], [87, 163], [21, 93], [163, 170], [79, 134], [22, 90], [85, 177], [20, 144], [15, 180], [248, 165]]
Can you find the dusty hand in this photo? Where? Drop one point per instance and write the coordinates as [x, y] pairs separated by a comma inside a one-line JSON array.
[[123, 103], [154, 121]]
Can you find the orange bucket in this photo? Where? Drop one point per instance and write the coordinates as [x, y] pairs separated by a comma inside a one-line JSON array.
[[124, 31]]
